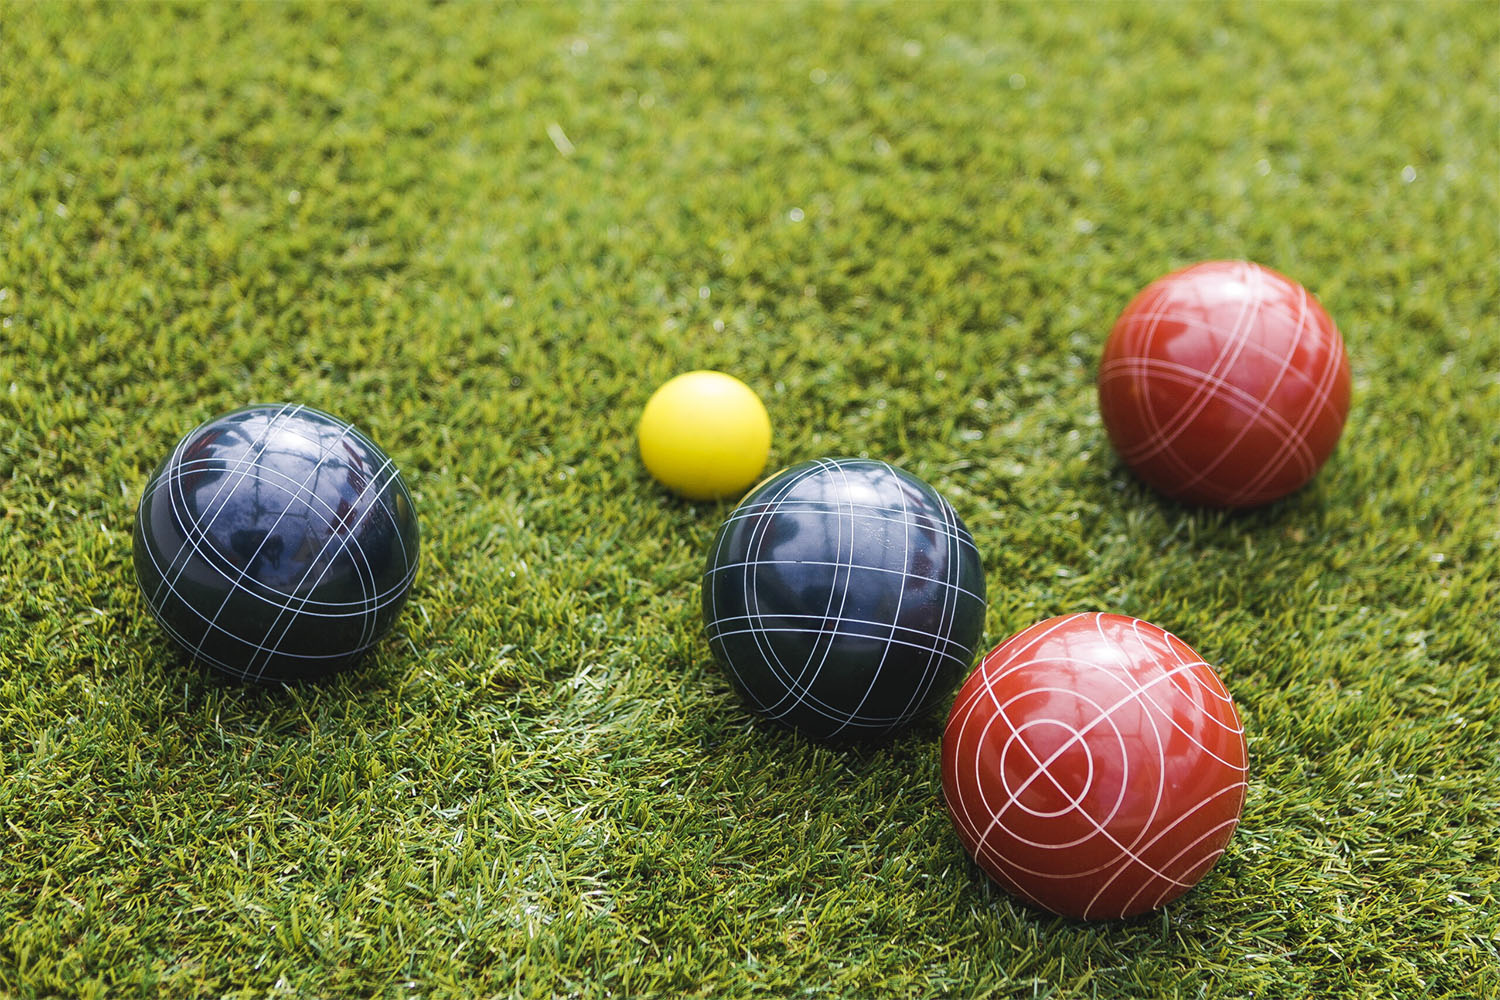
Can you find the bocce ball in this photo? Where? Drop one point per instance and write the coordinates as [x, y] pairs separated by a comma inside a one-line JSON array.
[[1094, 765], [843, 597], [276, 543], [705, 435], [1224, 384]]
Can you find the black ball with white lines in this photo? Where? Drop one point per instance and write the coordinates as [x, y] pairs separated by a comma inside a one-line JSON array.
[[276, 543], [844, 597]]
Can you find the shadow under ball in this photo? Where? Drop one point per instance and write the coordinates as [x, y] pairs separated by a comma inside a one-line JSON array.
[[844, 598], [276, 543], [1224, 384]]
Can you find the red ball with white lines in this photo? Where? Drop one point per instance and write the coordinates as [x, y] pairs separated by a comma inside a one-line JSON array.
[[1094, 765], [1224, 384]]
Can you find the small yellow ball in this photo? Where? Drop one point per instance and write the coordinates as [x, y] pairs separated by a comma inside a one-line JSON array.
[[705, 435]]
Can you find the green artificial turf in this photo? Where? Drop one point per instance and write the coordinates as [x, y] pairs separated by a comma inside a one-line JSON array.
[[486, 233]]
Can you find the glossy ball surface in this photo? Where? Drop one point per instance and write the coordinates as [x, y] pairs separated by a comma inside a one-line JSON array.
[[705, 435], [1094, 765], [843, 597], [1224, 384], [276, 543]]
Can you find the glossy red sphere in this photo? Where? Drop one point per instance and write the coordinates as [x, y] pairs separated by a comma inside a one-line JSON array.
[[1224, 384], [1094, 765]]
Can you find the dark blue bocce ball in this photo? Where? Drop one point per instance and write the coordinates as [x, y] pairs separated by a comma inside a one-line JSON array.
[[844, 597], [276, 543]]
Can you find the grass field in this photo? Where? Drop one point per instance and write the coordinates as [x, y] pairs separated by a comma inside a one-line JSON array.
[[484, 234]]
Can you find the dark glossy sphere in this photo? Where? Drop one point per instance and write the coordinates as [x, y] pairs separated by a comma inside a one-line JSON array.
[[844, 598], [276, 543]]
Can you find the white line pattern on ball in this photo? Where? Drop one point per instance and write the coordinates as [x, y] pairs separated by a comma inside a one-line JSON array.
[[980, 829], [197, 533], [832, 622], [341, 538], [1142, 362], [239, 579]]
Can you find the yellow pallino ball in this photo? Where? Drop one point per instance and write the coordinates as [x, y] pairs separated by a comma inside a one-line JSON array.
[[705, 435]]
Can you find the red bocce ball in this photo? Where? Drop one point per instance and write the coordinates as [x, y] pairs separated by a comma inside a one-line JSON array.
[[1094, 765], [1224, 384]]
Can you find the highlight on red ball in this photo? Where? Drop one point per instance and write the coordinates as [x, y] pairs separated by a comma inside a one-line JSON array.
[[1224, 384], [1094, 765]]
